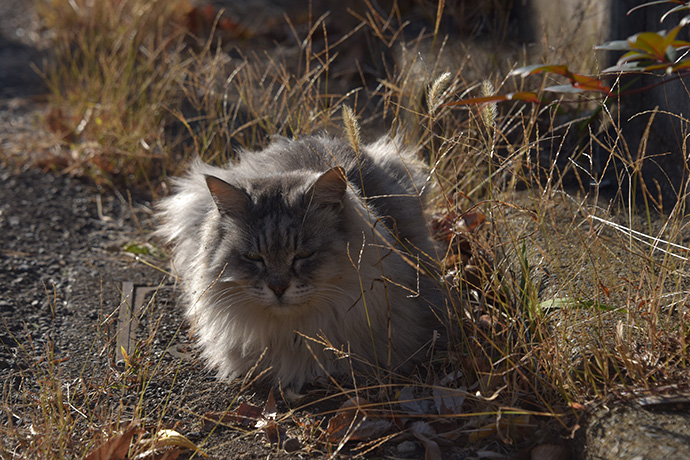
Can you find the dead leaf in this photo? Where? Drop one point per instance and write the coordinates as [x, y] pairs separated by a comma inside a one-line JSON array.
[[270, 409], [274, 433], [245, 415], [55, 120], [115, 448], [354, 422], [171, 438], [449, 400], [470, 222], [249, 415], [482, 432], [423, 428], [411, 404], [431, 449]]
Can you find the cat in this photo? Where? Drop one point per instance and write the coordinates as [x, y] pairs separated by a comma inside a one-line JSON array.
[[305, 241]]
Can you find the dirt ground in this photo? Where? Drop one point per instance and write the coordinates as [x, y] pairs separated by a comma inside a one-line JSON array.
[[65, 275]]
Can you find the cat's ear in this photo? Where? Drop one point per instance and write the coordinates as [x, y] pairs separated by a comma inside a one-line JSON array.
[[229, 199], [329, 188]]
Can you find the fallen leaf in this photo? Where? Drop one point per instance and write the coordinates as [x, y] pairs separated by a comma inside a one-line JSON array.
[[274, 433], [423, 428], [172, 438], [449, 400], [115, 448], [249, 415], [411, 404], [356, 423], [482, 432], [270, 409], [431, 449], [245, 415], [472, 220]]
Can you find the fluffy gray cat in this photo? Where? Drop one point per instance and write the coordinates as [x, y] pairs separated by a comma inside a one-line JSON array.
[[305, 240]]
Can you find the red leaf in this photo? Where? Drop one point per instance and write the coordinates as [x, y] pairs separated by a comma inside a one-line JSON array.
[[539, 68], [583, 82], [478, 100], [590, 84], [518, 96], [524, 96]]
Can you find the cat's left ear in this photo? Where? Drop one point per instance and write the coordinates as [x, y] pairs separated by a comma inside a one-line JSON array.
[[229, 199], [329, 188]]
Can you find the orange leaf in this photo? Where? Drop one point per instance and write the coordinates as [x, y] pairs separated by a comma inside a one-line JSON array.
[[517, 96], [115, 448], [576, 80], [473, 220], [590, 83]]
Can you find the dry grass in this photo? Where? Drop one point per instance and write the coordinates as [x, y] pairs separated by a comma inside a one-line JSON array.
[[566, 295]]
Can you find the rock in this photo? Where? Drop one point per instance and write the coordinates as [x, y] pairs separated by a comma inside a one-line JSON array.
[[633, 430], [291, 445]]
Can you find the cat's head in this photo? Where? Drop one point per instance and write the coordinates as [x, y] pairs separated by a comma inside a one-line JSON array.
[[280, 240]]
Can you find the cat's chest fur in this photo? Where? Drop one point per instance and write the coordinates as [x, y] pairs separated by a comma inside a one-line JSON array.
[[301, 244]]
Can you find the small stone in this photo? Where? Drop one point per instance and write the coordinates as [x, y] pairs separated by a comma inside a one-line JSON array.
[[291, 445]]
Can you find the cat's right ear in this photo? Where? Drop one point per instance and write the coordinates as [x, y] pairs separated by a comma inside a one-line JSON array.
[[230, 200], [330, 187]]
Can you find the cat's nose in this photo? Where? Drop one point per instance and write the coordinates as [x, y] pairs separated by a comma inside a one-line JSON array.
[[278, 288]]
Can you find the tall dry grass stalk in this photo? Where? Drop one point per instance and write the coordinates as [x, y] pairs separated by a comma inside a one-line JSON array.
[[352, 128]]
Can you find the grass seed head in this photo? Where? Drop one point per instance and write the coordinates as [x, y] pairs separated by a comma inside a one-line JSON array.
[[352, 128]]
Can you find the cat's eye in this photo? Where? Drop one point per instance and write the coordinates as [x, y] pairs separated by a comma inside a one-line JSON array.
[[254, 257], [303, 255]]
